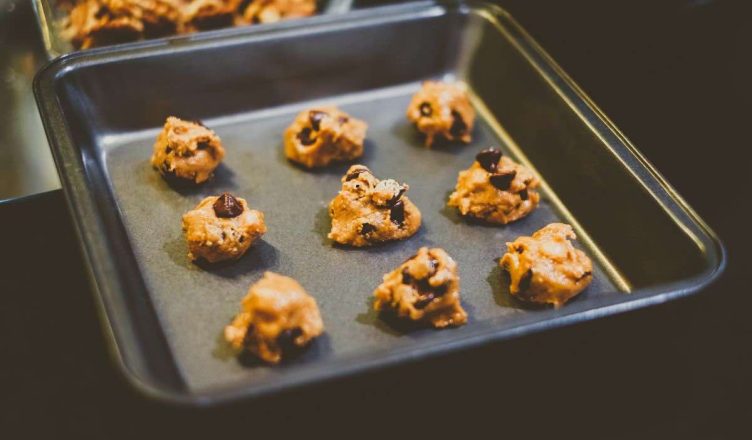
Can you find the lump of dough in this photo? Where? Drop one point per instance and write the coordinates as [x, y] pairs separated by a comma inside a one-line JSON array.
[[221, 228], [272, 11], [277, 319], [322, 135], [495, 189], [546, 268], [425, 288], [368, 210], [442, 111], [186, 151]]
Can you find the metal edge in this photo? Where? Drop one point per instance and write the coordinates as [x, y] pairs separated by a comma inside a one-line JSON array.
[[572, 314]]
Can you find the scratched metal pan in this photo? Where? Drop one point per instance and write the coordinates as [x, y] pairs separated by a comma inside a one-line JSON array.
[[165, 315], [51, 15]]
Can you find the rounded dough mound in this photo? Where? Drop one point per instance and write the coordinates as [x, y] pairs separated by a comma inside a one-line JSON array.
[[278, 318], [215, 238], [368, 210], [546, 268], [425, 288], [322, 135], [442, 111], [187, 151], [495, 189], [272, 11]]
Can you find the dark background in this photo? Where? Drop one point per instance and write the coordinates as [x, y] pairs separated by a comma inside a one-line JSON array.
[[673, 75]]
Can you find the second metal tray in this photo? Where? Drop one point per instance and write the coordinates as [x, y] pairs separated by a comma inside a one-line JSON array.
[[165, 315]]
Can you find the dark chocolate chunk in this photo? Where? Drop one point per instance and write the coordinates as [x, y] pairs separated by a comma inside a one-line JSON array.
[[458, 127], [286, 339], [424, 300], [316, 117], [305, 136], [103, 11], [227, 206], [425, 109], [367, 228], [168, 149], [489, 159], [396, 197], [502, 181], [355, 173], [523, 194], [397, 213], [406, 277], [525, 280]]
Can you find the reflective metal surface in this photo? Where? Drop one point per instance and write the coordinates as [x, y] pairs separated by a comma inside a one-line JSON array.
[[26, 165]]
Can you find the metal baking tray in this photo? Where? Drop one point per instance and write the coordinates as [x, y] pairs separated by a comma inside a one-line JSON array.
[[50, 20], [102, 111]]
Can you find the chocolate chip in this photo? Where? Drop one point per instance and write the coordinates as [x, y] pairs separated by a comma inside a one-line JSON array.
[[502, 181], [396, 197], [227, 206], [103, 11], [425, 109], [519, 249], [355, 173], [367, 228], [397, 213], [305, 136], [168, 149], [406, 277], [458, 127], [525, 280], [286, 339], [523, 194], [343, 119], [248, 338], [585, 275], [424, 300], [316, 117], [203, 146], [489, 159]]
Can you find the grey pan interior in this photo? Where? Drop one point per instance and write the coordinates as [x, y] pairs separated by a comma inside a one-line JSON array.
[[102, 111]]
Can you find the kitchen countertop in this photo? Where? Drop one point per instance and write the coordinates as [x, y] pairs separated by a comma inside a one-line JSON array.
[[673, 75]]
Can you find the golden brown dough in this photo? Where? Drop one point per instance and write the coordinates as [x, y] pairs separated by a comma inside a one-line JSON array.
[[368, 210], [221, 228], [322, 135], [425, 288], [546, 268], [272, 11], [442, 111], [187, 150], [278, 318], [495, 189]]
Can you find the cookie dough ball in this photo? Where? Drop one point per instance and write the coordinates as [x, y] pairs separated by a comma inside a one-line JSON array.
[[187, 151], [272, 11], [495, 189], [425, 288], [442, 111], [323, 135], [93, 23], [221, 228], [277, 319], [201, 15], [368, 210], [546, 268]]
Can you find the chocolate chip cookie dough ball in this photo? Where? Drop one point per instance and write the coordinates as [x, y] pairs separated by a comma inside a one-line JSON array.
[[323, 135], [186, 151], [222, 228], [277, 319], [425, 288], [368, 210], [546, 268], [94, 23], [442, 111], [495, 189], [272, 11]]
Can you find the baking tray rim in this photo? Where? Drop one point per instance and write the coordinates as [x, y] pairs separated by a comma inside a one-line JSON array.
[[90, 230]]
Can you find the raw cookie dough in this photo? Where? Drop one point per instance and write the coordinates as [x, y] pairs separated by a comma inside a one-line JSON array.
[[442, 111], [546, 268], [272, 11], [321, 135], [495, 189], [368, 210], [221, 228], [278, 318], [187, 150], [425, 288], [200, 15]]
